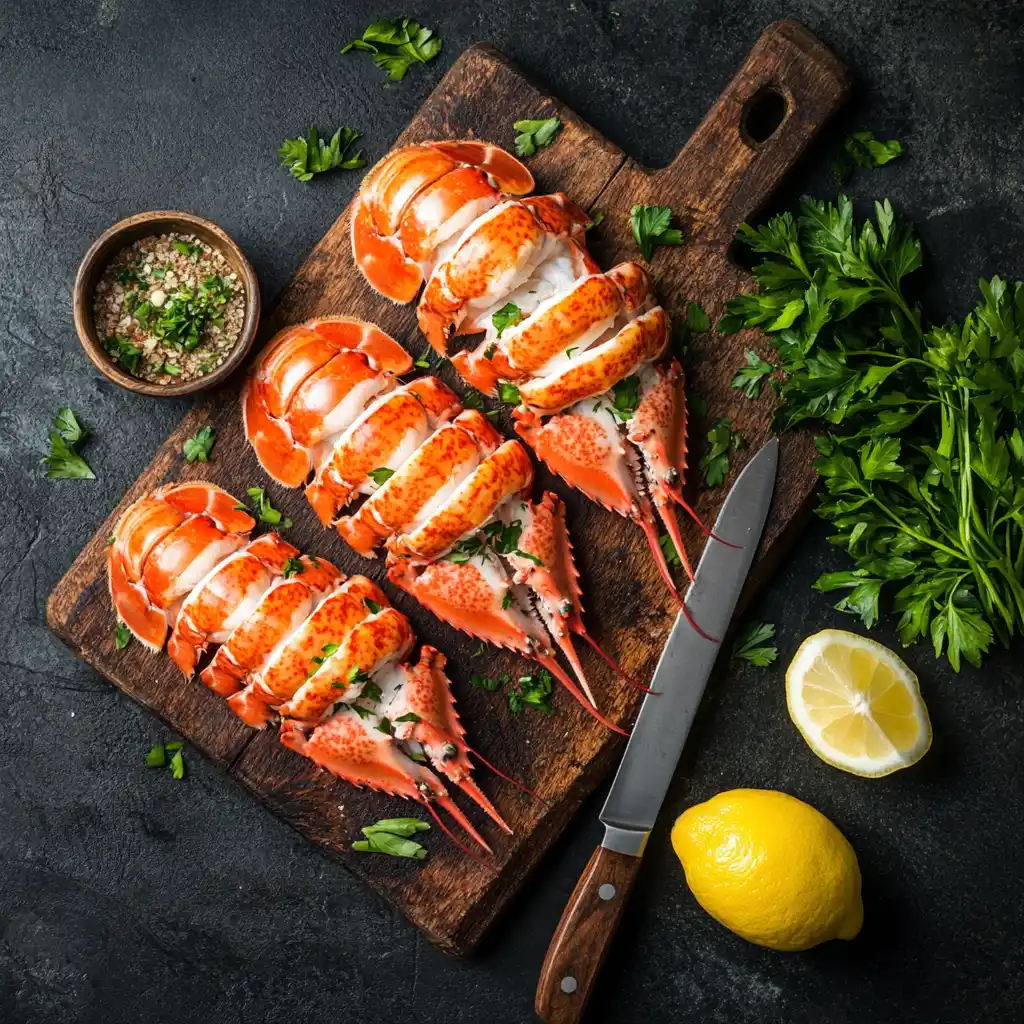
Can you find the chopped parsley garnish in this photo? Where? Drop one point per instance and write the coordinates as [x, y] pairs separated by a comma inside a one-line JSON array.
[[157, 758], [371, 605], [193, 249], [306, 157], [534, 135], [384, 725], [862, 149], [490, 350], [508, 316], [371, 692], [409, 716], [198, 447], [533, 691], [482, 682], [651, 229], [750, 644], [122, 636], [625, 397], [714, 463], [508, 393], [569, 351], [696, 319], [506, 601], [381, 476], [397, 45], [64, 462], [356, 675], [265, 512], [293, 567], [595, 219], [170, 369], [124, 352], [668, 549], [750, 378]]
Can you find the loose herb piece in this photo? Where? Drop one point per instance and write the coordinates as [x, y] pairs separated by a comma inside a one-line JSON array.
[[265, 512], [508, 316], [397, 45], [191, 249], [293, 567], [862, 149], [371, 605], [651, 229], [306, 157], [751, 643], [532, 691], [625, 397], [64, 462], [750, 378], [487, 683], [508, 393], [381, 476], [534, 135], [122, 636], [198, 447], [668, 549], [123, 352], [596, 219], [924, 462], [157, 758], [696, 319], [714, 464]]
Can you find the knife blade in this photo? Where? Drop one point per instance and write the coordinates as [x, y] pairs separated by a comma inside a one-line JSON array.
[[686, 662], [595, 908]]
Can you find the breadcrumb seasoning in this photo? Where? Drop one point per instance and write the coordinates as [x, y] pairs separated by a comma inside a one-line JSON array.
[[169, 309]]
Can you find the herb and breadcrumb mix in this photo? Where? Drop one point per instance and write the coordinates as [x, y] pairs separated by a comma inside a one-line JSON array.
[[169, 309]]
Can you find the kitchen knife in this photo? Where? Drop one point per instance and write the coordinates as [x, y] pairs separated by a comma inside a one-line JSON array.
[[589, 921]]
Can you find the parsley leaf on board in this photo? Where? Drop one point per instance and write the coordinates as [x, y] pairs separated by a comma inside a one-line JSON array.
[[750, 644], [750, 378], [651, 229], [533, 691], [122, 636], [921, 453], [198, 447], [696, 319], [306, 157], [397, 45], [265, 512], [64, 462], [534, 135], [714, 463]]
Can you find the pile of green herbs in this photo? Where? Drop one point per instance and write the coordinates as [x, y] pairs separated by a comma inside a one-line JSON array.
[[923, 457]]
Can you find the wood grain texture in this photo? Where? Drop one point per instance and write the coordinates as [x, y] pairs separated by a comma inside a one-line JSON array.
[[584, 936], [718, 179]]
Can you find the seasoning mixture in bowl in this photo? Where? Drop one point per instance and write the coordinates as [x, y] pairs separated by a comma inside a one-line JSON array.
[[169, 309]]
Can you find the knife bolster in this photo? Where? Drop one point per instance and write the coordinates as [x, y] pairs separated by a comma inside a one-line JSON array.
[[624, 840]]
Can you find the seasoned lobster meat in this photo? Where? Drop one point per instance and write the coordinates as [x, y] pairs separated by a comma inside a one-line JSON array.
[[419, 199], [295, 640], [436, 482]]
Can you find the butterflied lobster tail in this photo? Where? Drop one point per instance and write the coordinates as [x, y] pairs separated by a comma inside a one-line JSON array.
[[293, 640], [413, 474]]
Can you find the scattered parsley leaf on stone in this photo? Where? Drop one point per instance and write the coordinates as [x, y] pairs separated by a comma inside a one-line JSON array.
[[397, 45], [64, 462], [534, 135], [750, 645], [198, 447], [157, 757], [306, 157], [863, 150], [177, 764], [651, 229]]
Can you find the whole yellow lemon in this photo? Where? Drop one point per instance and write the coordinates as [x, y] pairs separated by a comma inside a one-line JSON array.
[[770, 868]]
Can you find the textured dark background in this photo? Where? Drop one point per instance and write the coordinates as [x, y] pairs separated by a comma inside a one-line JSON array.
[[127, 897]]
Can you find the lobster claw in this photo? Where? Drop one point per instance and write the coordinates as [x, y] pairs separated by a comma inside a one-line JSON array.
[[354, 749], [423, 711]]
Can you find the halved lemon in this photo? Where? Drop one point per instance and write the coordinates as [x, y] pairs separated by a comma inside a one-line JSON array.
[[857, 704]]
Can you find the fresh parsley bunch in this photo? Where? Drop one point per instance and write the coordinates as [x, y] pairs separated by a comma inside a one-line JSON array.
[[923, 461]]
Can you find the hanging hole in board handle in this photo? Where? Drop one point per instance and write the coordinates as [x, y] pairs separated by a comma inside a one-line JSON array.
[[763, 115]]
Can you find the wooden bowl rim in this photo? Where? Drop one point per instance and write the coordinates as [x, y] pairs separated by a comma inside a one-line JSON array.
[[119, 236]]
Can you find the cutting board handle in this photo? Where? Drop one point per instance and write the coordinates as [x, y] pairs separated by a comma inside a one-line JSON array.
[[784, 92]]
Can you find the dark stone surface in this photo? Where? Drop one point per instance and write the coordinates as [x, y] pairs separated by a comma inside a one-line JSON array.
[[127, 897]]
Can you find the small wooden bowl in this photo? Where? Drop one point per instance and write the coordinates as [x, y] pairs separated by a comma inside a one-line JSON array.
[[121, 235]]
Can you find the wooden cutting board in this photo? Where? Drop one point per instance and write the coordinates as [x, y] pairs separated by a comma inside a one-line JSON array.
[[723, 175]]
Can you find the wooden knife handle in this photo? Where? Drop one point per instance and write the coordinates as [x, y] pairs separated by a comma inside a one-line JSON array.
[[583, 936]]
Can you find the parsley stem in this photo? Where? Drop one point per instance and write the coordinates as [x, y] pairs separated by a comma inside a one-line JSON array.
[[903, 525]]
